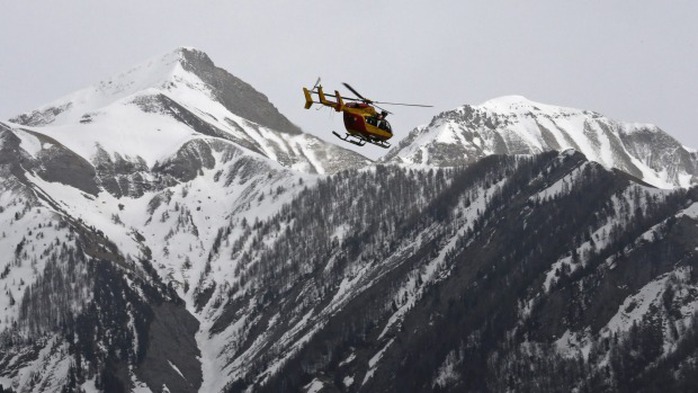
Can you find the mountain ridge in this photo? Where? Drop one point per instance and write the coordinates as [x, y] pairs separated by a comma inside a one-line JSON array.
[[163, 72], [516, 125]]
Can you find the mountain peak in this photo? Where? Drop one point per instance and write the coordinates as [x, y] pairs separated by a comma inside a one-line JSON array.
[[176, 73], [236, 95], [516, 125], [517, 104], [507, 102], [182, 56]]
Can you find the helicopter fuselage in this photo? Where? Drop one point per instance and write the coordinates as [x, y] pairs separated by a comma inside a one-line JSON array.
[[361, 118]]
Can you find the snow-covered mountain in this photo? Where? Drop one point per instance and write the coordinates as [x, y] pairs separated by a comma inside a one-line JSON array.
[[147, 114], [516, 125], [141, 170], [169, 230]]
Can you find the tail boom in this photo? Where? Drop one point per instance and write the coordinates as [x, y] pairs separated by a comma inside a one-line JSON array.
[[337, 105]]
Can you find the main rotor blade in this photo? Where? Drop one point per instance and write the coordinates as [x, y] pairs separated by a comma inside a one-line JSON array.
[[356, 92], [383, 109], [334, 96], [403, 104], [366, 100]]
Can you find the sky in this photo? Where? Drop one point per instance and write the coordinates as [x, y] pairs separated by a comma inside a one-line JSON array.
[[631, 60]]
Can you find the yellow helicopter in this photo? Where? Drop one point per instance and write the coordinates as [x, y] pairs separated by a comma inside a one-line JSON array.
[[361, 119]]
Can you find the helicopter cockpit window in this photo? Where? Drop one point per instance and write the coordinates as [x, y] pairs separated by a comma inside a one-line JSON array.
[[380, 123]]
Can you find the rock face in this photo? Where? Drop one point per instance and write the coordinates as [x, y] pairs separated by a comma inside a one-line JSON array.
[[237, 96], [516, 125], [155, 239]]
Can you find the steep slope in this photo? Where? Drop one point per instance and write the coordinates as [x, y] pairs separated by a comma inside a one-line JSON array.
[[516, 125], [289, 310], [76, 310], [457, 280]]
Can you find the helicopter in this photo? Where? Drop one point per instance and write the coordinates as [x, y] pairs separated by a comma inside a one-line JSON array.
[[363, 123]]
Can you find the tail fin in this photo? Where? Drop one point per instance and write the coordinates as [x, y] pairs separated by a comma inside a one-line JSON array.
[[321, 95], [338, 105], [340, 102], [308, 98]]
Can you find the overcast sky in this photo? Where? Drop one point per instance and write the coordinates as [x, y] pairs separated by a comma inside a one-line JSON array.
[[631, 60]]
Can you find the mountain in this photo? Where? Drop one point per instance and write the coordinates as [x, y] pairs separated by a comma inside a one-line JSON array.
[[123, 186], [150, 245], [544, 273], [516, 125], [148, 113]]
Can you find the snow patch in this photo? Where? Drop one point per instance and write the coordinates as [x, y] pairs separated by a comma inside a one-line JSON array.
[[28, 142], [348, 381], [636, 306], [314, 386], [373, 362], [691, 211], [448, 371], [572, 344]]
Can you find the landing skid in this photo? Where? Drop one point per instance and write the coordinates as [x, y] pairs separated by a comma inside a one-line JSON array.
[[361, 141], [350, 139]]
